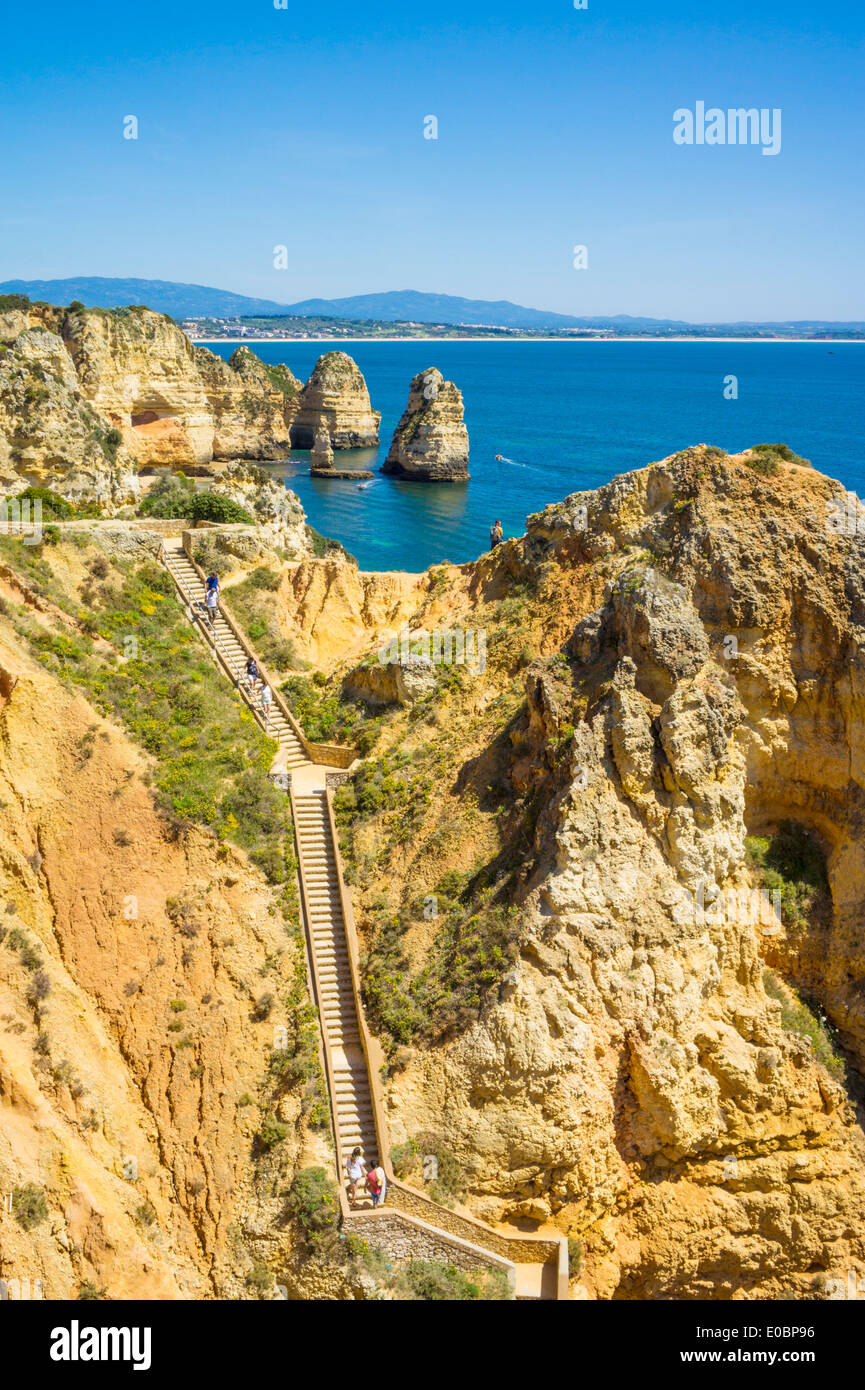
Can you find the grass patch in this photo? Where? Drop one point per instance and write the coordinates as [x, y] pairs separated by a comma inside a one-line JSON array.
[[431, 1281], [326, 716], [803, 1019], [766, 459], [313, 1201], [29, 1206], [792, 863], [156, 678]]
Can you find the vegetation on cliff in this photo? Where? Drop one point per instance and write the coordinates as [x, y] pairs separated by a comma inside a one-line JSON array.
[[130, 648]]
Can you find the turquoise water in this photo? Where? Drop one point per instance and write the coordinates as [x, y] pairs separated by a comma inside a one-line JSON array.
[[569, 415]]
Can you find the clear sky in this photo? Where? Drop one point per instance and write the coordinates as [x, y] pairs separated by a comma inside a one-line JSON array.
[[304, 127]]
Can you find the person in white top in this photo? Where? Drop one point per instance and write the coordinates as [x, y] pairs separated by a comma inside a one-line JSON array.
[[266, 698], [211, 602], [354, 1173]]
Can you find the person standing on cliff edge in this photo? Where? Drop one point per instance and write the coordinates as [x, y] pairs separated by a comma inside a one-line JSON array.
[[496, 534]]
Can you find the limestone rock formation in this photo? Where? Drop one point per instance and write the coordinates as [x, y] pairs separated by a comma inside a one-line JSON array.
[[641, 1074], [279, 517], [431, 442], [335, 401], [321, 455], [173, 402], [104, 1085], [89, 397], [402, 682]]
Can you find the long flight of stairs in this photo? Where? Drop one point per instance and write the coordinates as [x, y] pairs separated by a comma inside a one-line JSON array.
[[353, 1118], [327, 934], [351, 1095], [231, 651]]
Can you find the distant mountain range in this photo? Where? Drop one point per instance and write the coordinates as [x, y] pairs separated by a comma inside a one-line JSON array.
[[394, 306]]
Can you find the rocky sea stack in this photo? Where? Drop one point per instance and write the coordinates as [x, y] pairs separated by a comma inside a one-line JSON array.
[[321, 455], [431, 443], [335, 400]]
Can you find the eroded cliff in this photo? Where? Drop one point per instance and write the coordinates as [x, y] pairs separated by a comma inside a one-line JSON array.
[[87, 397], [587, 1002]]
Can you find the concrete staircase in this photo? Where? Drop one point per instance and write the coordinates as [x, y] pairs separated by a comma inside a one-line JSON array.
[[538, 1266], [352, 1098], [231, 650]]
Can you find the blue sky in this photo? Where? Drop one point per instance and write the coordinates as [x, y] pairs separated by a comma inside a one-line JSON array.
[[304, 127]]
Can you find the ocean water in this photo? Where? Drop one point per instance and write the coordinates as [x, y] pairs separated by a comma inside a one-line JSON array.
[[568, 416]]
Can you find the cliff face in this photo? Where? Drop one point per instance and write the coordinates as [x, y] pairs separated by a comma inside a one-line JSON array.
[[87, 398], [637, 1071], [49, 431], [551, 859], [431, 442], [335, 402], [175, 403], [140, 1141]]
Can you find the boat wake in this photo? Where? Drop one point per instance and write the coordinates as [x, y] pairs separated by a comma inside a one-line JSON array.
[[515, 463]]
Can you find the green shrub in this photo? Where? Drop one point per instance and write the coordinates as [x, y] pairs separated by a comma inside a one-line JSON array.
[[263, 578], [54, 507], [212, 506], [404, 1158], [767, 458], [314, 1203], [263, 1006], [145, 1213], [792, 863], [325, 545], [426, 1162], [170, 496], [29, 1206], [806, 1022], [13, 301], [575, 1256], [271, 1133], [259, 1278], [90, 1292], [434, 1281]]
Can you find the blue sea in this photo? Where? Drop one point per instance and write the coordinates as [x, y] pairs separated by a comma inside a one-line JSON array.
[[568, 416]]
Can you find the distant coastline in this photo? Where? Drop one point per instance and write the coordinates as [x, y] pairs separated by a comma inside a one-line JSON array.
[[634, 338]]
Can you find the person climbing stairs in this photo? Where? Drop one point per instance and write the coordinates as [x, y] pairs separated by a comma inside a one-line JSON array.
[[232, 651]]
